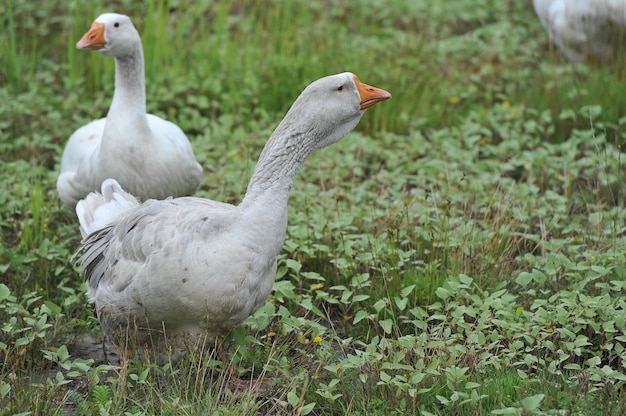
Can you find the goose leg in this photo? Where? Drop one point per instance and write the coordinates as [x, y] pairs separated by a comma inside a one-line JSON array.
[[125, 354]]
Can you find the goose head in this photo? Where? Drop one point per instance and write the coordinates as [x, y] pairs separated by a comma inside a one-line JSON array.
[[111, 34], [329, 108]]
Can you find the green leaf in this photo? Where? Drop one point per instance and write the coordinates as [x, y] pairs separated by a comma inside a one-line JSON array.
[[5, 388], [539, 276], [472, 385], [238, 333], [293, 398], [144, 375], [524, 278], [530, 404], [307, 408], [23, 341], [609, 326], [443, 293], [465, 279], [401, 302], [360, 298], [4, 291], [54, 308], [407, 291], [380, 304], [438, 317], [386, 378], [386, 325], [594, 361], [442, 400], [293, 265], [63, 353], [360, 315]]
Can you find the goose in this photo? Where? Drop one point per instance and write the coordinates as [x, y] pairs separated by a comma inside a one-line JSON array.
[[180, 271], [150, 157], [585, 29]]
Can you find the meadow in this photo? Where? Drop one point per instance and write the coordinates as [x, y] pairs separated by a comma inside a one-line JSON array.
[[462, 252]]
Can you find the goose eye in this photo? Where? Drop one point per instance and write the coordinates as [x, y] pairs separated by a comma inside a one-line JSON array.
[[340, 88], [116, 24]]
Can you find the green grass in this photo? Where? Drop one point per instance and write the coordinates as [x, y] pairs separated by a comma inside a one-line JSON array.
[[461, 253]]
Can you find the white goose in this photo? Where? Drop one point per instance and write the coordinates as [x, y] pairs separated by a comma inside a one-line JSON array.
[[187, 268], [581, 29], [149, 156]]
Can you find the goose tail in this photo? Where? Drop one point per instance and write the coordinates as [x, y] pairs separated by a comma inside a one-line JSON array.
[[100, 209]]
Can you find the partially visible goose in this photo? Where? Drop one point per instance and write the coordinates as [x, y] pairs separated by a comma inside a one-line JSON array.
[[150, 157], [188, 268], [585, 29]]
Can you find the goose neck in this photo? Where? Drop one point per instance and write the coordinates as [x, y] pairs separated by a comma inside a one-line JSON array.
[[278, 165], [130, 88]]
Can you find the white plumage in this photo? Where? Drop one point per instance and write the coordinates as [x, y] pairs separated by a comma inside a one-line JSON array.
[[150, 157], [585, 29], [188, 267], [100, 209]]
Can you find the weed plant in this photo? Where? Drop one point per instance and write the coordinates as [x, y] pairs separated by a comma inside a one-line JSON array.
[[461, 253]]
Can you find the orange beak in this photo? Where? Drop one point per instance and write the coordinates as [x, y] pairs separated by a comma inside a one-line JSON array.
[[370, 95], [94, 38]]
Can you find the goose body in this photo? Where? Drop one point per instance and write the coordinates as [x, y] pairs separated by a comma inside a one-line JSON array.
[[585, 29], [194, 267], [150, 157]]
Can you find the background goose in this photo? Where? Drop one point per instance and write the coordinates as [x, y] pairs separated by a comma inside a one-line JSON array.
[[188, 267], [150, 157], [594, 29]]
